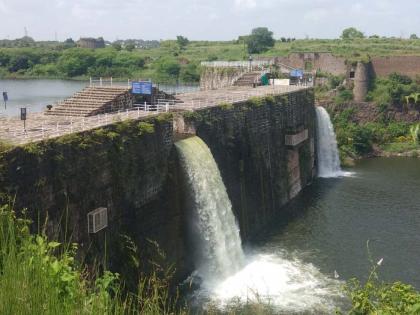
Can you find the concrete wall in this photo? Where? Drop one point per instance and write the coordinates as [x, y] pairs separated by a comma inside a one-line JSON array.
[[216, 78], [132, 169]]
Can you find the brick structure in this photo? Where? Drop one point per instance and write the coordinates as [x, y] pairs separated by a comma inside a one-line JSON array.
[[92, 43], [324, 62], [361, 82], [327, 62], [407, 65]]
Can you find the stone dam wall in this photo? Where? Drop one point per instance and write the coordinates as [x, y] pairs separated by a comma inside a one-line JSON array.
[[265, 149]]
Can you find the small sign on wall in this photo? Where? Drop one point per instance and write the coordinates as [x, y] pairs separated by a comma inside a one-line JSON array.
[[97, 220], [142, 87], [23, 113]]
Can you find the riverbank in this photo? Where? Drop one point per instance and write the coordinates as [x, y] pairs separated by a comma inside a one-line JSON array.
[[398, 150]]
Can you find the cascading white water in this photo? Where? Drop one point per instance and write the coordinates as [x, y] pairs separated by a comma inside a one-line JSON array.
[[284, 282], [220, 242], [328, 158]]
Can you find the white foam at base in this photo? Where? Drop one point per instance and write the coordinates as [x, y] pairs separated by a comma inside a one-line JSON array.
[[288, 285]]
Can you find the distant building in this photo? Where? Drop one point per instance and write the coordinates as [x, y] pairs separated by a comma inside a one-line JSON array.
[[92, 43]]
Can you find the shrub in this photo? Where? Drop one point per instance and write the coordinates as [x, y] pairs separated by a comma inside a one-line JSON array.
[[38, 276], [377, 297], [343, 96], [415, 133]]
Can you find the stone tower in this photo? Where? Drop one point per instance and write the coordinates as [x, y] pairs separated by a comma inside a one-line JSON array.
[[361, 81]]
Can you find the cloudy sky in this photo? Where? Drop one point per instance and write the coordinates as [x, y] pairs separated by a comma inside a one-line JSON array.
[[205, 19]]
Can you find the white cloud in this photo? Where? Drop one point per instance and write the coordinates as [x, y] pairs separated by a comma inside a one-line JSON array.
[[3, 8], [316, 15], [204, 19], [246, 4]]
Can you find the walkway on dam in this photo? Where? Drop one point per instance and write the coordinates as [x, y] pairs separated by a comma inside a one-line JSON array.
[[40, 126]]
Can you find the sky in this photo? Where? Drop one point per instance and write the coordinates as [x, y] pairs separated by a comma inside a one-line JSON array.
[[204, 19]]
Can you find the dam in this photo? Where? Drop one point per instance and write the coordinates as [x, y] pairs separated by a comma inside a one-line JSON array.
[[139, 174]]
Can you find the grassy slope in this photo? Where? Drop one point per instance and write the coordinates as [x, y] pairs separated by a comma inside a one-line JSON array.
[[203, 51]]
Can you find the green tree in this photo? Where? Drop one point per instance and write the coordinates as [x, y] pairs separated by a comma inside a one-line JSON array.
[[352, 33], [182, 42], [189, 73], [260, 40], [167, 69], [76, 61], [413, 36], [130, 47], [117, 46], [23, 59]]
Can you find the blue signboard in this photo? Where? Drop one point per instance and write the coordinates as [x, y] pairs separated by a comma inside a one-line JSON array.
[[297, 73], [142, 87]]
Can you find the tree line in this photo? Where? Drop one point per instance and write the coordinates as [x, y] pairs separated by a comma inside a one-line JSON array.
[[81, 62]]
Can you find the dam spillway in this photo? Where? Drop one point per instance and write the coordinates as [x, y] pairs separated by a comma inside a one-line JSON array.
[[226, 274], [264, 148], [328, 157], [218, 242]]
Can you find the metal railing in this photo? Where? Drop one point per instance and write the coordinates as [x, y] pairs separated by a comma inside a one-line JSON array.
[[101, 82], [238, 64]]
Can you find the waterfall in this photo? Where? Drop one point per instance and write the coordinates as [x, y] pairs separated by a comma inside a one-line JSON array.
[[218, 240], [328, 158], [227, 275]]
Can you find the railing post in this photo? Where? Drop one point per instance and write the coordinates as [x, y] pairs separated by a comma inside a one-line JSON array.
[[100, 81]]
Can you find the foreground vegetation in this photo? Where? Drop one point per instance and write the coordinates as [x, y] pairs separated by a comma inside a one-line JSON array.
[[375, 297], [38, 276]]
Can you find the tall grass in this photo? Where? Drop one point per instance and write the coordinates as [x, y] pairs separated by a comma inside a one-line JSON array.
[[38, 276], [415, 133]]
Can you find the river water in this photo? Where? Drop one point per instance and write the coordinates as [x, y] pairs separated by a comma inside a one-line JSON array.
[[35, 94], [329, 225]]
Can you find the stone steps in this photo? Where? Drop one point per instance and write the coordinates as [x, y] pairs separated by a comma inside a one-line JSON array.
[[93, 100], [248, 79]]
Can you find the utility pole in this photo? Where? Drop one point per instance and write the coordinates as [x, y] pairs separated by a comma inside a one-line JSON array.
[[5, 99]]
